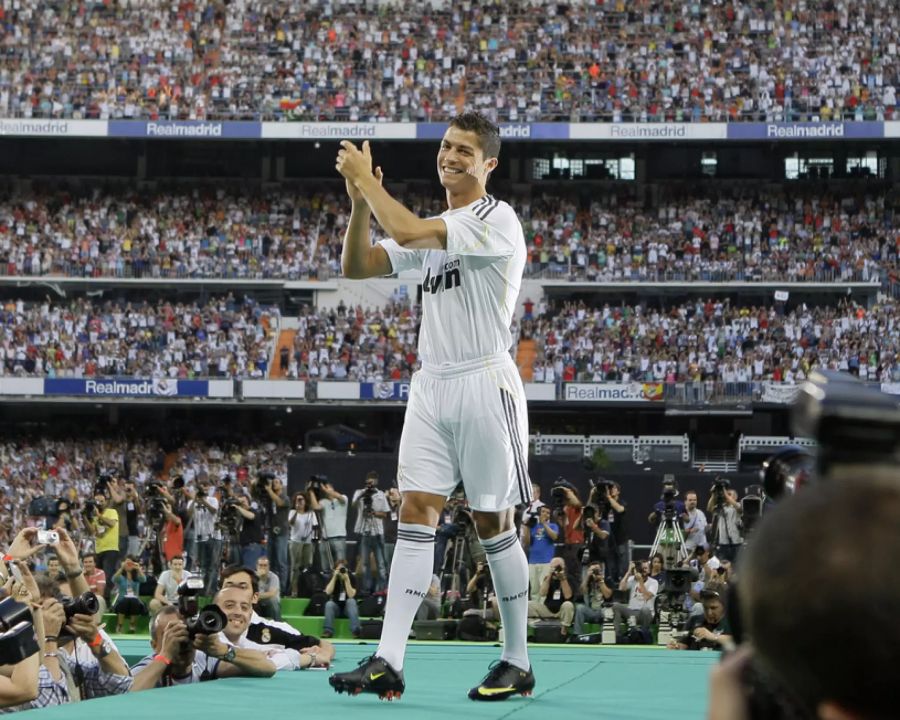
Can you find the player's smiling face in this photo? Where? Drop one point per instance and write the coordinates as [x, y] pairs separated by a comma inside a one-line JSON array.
[[460, 161]]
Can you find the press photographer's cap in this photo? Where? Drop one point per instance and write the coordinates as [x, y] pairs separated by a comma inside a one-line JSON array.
[[714, 563]]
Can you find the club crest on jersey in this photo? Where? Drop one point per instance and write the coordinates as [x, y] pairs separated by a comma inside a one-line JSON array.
[[447, 279]]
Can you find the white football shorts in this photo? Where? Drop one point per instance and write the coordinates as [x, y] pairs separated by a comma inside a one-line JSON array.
[[467, 422]]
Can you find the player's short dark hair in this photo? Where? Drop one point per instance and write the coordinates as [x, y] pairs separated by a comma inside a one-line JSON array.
[[810, 563], [234, 570], [488, 133]]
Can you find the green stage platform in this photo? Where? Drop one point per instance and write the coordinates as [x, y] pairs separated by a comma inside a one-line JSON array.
[[613, 683]]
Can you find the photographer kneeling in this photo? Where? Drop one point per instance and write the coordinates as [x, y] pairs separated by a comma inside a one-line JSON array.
[[596, 592], [341, 589], [641, 600], [556, 597]]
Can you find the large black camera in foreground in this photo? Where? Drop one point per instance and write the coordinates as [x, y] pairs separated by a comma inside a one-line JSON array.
[[17, 640], [208, 621]]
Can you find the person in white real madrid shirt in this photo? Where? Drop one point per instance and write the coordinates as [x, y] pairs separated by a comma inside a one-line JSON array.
[[466, 415]]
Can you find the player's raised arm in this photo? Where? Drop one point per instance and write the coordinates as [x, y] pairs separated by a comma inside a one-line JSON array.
[[359, 258], [403, 226]]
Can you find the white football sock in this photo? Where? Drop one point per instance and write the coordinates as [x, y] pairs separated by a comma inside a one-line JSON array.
[[509, 570], [411, 571]]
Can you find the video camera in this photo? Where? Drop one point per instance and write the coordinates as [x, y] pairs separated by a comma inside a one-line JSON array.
[[229, 520], [367, 495], [17, 639], [208, 621], [558, 492], [156, 503], [101, 486], [263, 482], [316, 482]]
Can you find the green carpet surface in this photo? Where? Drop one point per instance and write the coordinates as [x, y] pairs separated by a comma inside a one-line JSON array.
[[627, 683]]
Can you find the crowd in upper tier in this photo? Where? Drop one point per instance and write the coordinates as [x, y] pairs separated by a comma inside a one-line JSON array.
[[223, 337], [795, 234], [362, 60]]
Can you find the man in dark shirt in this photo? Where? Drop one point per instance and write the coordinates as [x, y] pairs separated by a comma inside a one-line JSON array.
[[709, 631], [341, 591]]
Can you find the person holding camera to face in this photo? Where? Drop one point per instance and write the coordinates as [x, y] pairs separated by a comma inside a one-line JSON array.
[[179, 658], [341, 591], [642, 597], [302, 523], [127, 602], [694, 523], [555, 597], [371, 508], [324, 499], [251, 533], [277, 547], [104, 523], [207, 537], [708, 631], [725, 527], [596, 591], [540, 536]]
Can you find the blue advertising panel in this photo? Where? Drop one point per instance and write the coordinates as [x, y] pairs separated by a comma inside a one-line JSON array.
[[185, 130], [126, 387]]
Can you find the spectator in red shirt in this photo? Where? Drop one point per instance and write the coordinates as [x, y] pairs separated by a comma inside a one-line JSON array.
[[96, 580]]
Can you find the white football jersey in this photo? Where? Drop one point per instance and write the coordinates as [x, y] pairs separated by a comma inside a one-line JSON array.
[[469, 290]]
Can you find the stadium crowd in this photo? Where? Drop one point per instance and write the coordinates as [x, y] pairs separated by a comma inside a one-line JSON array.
[[373, 61], [367, 345], [223, 337], [712, 340], [749, 234]]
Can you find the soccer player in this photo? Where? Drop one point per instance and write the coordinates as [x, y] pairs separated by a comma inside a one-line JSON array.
[[466, 416]]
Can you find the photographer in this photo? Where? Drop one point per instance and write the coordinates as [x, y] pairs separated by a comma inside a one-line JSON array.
[[669, 495], [371, 508], [568, 511], [133, 508], [77, 648], [390, 524], [694, 524], [178, 660], [207, 539], [104, 523], [480, 591], [173, 534], [725, 527], [540, 544], [597, 533], [333, 506], [166, 592], [116, 490], [302, 523], [555, 597], [250, 537], [596, 592], [619, 539], [642, 597], [341, 591], [531, 509], [277, 547], [127, 601], [709, 631]]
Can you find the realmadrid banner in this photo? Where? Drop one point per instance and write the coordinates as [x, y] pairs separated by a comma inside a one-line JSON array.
[[384, 391], [185, 130], [613, 392], [805, 130], [127, 387]]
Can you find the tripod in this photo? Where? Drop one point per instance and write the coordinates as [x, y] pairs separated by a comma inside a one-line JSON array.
[[669, 541], [321, 546]]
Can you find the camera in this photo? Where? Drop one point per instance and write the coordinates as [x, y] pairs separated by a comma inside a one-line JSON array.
[[89, 510], [101, 486], [263, 482], [84, 604], [208, 621], [47, 537], [367, 495], [719, 486], [44, 506], [229, 520], [316, 482], [343, 570], [558, 493], [17, 639]]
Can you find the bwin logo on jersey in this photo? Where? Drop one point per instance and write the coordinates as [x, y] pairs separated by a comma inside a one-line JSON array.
[[446, 280]]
